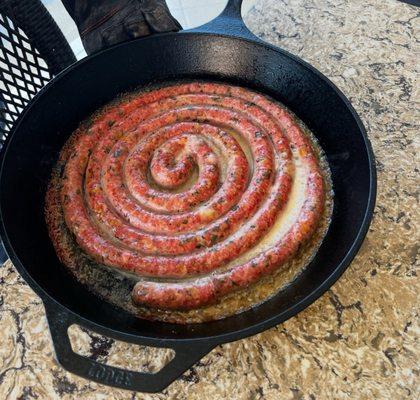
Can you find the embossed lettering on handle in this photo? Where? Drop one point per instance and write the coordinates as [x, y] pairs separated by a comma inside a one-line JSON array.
[[59, 320], [110, 376]]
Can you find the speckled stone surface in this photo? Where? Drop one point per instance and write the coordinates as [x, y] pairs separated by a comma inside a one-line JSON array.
[[360, 340]]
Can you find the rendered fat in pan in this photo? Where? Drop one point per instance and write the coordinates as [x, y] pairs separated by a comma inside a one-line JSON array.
[[117, 200]]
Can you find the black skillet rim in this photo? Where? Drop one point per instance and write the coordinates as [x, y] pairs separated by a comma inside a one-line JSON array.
[[249, 330]]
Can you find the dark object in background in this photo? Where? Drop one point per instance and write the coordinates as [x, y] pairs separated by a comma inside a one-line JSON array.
[[32, 50], [102, 23]]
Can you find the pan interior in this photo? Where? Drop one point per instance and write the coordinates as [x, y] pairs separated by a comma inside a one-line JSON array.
[[83, 88]]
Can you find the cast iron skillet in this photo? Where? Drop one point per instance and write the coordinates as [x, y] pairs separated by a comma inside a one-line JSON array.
[[223, 50]]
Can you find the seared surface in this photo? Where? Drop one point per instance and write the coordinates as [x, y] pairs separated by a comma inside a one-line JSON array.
[[174, 184]]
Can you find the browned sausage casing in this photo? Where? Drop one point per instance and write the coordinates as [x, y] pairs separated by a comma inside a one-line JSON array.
[[174, 184]]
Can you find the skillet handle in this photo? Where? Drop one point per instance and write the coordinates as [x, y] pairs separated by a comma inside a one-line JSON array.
[[59, 320], [229, 22]]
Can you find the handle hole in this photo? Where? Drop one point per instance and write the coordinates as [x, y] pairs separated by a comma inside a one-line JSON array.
[[193, 13], [116, 353], [248, 13]]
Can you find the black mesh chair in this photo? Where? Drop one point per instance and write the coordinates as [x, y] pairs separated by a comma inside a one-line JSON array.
[[32, 50]]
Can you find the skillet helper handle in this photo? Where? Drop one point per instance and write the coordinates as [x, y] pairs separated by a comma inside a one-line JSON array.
[[229, 22], [59, 320]]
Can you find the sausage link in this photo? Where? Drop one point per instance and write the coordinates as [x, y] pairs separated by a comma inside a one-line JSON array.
[[175, 184]]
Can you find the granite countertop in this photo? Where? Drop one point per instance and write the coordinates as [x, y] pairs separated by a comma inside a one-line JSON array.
[[359, 341]]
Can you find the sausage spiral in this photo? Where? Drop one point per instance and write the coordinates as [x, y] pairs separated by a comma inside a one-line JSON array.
[[175, 184]]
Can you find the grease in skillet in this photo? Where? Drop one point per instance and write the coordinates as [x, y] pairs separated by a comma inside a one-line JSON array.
[[196, 200]]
